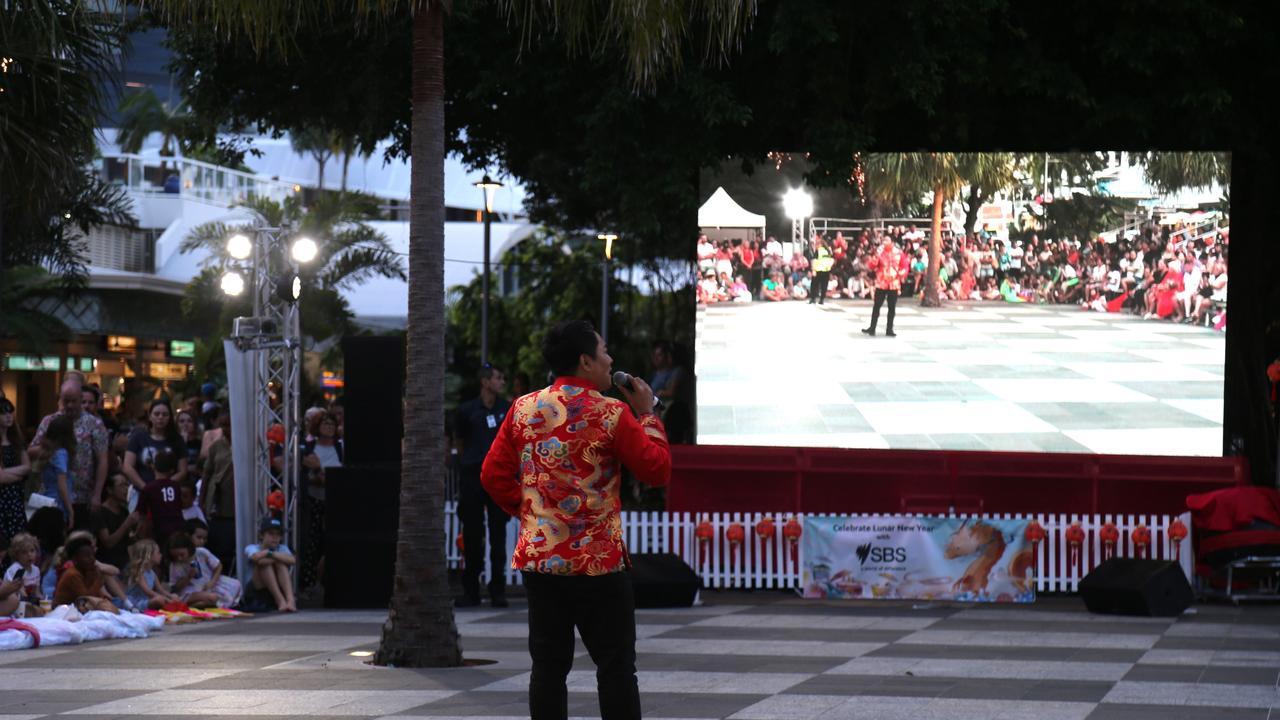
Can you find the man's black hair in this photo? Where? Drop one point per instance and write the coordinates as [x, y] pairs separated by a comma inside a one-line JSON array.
[[487, 371], [566, 342], [195, 524]]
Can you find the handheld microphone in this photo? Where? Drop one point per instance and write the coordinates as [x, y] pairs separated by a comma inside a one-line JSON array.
[[623, 380]]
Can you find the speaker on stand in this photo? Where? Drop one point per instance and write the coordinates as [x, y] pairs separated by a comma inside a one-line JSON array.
[[362, 519], [373, 396]]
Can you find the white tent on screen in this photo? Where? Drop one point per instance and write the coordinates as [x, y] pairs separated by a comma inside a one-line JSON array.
[[720, 218]]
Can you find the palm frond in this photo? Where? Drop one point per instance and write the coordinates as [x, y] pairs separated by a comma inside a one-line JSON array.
[[356, 265]]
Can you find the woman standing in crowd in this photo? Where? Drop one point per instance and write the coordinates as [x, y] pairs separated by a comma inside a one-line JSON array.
[[14, 467], [56, 449], [218, 493], [189, 432], [145, 443], [323, 451]]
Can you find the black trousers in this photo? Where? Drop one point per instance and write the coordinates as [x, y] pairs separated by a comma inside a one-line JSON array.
[[603, 609], [474, 504], [818, 289], [892, 295]]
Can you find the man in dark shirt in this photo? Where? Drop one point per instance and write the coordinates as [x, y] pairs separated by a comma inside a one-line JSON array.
[[475, 426]]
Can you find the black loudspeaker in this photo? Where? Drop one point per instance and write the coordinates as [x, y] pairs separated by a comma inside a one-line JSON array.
[[362, 521], [1130, 586], [663, 580], [373, 398]]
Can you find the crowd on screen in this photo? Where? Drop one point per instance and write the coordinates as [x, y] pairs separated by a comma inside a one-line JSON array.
[[122, 513], [1160, 272]]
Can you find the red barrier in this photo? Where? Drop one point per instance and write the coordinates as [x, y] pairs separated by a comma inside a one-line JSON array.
[[711, 478]]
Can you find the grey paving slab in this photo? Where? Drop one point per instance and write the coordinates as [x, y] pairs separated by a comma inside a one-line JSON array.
[[1165, 712], [746, 655]]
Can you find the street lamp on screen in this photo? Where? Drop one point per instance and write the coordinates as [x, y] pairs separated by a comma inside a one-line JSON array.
[[488, 185]]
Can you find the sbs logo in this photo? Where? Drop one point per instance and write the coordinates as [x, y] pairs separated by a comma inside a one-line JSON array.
[[880, 555]]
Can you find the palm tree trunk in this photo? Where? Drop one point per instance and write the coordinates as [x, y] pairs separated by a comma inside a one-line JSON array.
[[346, 163], [421, 631], [931, 298]]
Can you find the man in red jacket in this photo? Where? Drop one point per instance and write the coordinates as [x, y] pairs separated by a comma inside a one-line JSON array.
[[890, 265], [556, 465]]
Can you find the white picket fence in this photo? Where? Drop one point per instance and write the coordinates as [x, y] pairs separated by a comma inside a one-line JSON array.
[[775, 564]]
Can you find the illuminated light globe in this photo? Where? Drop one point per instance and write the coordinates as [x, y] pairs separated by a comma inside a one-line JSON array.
[[798, 204], [239, 247], [232, 283], [304, 250]]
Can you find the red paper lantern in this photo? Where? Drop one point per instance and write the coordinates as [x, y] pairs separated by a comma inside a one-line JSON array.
[[792, 530], [1034, 532], [1110, 535], [1075, 536], [1141, 536], [704, 532], [275, 500], [765, 529], [736, 534], [458, 541], [1177, 533], [275, 434]]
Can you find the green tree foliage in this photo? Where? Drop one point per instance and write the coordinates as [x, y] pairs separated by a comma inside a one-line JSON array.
[[142, 114], [58, 59]]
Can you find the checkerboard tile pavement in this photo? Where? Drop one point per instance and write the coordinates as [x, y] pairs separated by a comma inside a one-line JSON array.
[[967, 376], [739, 655]]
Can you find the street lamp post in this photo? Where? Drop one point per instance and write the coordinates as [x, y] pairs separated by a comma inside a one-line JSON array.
[[608, 239], [488, 185]]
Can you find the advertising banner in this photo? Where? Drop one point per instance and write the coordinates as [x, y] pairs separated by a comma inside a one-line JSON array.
[[925, 558]]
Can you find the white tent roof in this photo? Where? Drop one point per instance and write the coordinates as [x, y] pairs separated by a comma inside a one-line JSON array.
[[721, 211]]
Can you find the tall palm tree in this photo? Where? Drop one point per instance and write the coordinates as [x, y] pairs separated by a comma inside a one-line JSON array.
[[651, 36], [986, 174], [1170, 172], [894, 178], [142, 113]]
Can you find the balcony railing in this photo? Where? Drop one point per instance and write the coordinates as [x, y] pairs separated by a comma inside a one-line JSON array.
[[193, 179]]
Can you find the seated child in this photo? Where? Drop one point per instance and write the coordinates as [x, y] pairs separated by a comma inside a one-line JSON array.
[[82, 584], [196, 575], [23, 549], [271, 561], [145, 591]]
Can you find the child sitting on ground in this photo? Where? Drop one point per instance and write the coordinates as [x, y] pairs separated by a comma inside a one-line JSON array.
[[82, 584], [271, 561], [196, 575], [23, 549], [145, 591]]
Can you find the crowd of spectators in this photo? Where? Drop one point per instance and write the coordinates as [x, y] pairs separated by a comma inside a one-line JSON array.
[[118, 514], [1164, 272]]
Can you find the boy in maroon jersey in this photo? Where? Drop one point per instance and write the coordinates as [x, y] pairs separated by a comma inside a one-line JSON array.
[[162, 499]]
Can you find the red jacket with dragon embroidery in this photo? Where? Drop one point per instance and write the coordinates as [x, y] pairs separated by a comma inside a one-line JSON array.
[[555, 465]]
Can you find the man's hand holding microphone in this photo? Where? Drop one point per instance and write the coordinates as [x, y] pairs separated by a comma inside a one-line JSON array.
[[637, 392]]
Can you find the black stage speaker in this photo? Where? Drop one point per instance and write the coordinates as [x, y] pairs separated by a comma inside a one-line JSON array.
[[362, 521], [663, 580], [373, 396], [1130, 586]]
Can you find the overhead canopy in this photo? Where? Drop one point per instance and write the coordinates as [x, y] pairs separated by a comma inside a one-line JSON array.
[[720, 211]]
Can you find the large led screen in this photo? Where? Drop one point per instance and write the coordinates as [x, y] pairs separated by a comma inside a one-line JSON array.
[[988, 301]]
